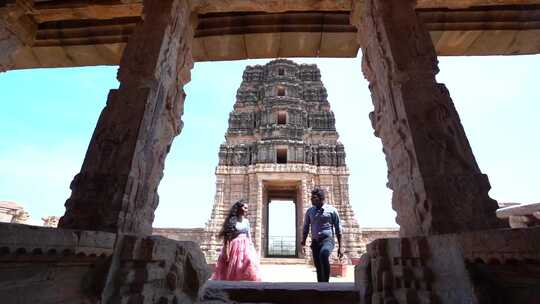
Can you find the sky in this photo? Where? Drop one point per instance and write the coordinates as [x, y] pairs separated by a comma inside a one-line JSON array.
[[47, 117]]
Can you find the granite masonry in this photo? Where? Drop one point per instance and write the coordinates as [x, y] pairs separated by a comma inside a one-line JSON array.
[[452, 247]]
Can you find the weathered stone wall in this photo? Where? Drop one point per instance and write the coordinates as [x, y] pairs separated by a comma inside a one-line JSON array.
[[50, 266], [46, 265], [203, 237], [368, 235]]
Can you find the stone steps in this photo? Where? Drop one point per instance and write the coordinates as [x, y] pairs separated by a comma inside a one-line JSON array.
[[298, 293], [283, 261]]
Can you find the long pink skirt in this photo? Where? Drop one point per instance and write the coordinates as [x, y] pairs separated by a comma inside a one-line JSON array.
[[243, 264]]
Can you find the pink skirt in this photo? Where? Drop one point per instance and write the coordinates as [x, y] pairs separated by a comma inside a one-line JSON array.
[[243, 264]]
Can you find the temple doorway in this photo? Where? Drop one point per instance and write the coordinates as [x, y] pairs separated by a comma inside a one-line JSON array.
[[281, 228], [282, 210]]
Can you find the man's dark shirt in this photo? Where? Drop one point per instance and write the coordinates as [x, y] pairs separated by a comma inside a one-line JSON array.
[[321, 221]]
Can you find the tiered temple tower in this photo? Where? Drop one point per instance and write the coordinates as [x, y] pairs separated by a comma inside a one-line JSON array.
[[280, 144]]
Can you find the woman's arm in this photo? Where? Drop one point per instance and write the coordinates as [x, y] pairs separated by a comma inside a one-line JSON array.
[[226, 250]]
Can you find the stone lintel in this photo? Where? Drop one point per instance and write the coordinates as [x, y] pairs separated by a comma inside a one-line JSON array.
[[522, 209], [521, 216]]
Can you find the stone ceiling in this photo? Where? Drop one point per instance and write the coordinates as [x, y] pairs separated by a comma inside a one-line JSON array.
[[61, 33]]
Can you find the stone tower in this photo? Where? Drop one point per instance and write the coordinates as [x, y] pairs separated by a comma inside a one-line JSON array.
[[280, 144]]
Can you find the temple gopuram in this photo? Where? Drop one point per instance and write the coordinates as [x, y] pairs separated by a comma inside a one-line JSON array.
[[452, 248], [280, 144]]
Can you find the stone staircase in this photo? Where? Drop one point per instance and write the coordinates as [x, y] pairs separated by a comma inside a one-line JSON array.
[[284, 261], [298, 293]]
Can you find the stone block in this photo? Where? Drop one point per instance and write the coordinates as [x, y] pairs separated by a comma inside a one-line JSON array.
[[150, 269], [474, 267], [48, 265]]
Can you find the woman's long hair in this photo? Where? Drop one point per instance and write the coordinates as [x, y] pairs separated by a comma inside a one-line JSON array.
[[228, 231]]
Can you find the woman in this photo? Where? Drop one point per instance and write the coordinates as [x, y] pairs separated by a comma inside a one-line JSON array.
[[238, 260]]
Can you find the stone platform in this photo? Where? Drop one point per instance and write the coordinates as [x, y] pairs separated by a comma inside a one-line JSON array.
[[75, 266], [490, 266], [284, 261], [298, 293]]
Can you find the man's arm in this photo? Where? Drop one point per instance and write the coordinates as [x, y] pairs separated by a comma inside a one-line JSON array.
[[337, 229], [305, 230]]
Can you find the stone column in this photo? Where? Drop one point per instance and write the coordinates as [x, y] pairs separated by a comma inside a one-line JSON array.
[[9, 45], [437, 185], [116, 189]]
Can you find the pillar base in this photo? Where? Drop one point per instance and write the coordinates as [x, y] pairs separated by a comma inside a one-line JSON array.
[[491, 266]]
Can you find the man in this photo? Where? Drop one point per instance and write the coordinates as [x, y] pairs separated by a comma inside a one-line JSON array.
[[324, 222]]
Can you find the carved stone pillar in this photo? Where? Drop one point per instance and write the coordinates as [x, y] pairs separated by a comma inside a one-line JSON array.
[[437, 185], [9, 44], [116, 189]]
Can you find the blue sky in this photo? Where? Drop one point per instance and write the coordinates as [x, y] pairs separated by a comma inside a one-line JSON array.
[[48, 115]]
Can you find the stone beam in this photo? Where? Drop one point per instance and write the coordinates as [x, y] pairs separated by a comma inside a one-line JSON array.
[[46, 13], [278, 6], [436, 182], [116, 189], [76, 10]]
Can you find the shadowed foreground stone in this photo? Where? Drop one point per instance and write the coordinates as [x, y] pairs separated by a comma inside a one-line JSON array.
[[50, 266], [47, 265], [491, 266], [298, 293], [154, 269]]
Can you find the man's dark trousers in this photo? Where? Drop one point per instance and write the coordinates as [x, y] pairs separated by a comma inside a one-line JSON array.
[[321, 257]]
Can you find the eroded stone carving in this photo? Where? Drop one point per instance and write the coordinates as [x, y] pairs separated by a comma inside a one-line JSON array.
[[116, 189], [9, 42], [437, 185], [489, 266], [20, 217], [50, 221], [154, 269], [394, 271]]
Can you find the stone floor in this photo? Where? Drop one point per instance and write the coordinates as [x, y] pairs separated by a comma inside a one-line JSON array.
[[298, 273]]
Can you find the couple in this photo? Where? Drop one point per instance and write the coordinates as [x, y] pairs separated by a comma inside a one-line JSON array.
[[239, 261]]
